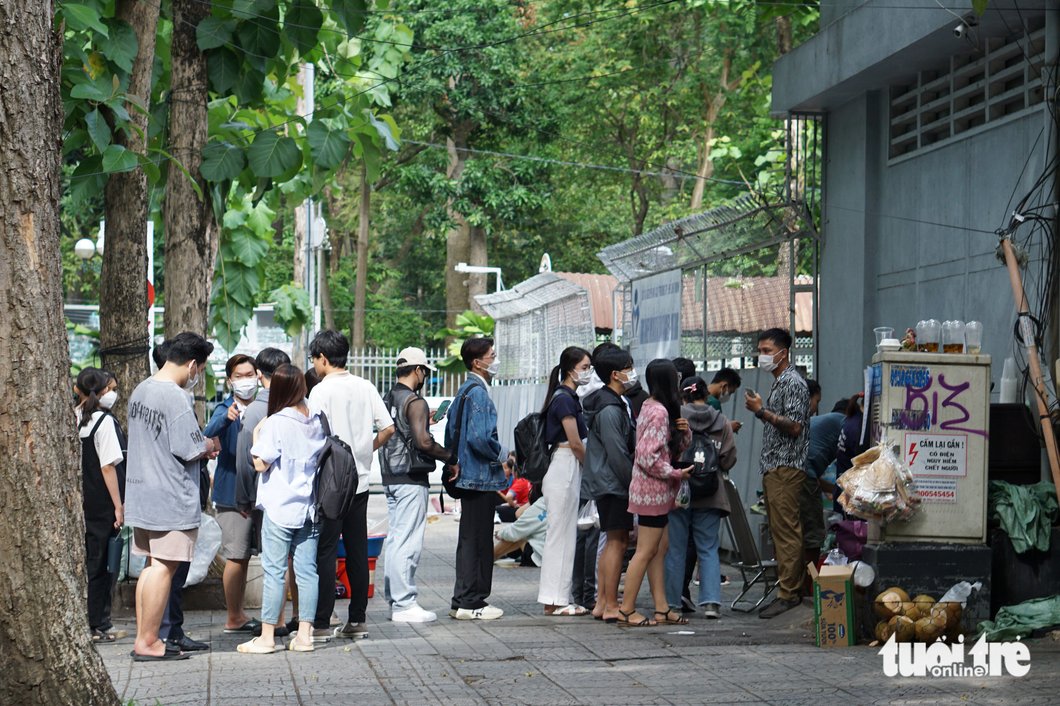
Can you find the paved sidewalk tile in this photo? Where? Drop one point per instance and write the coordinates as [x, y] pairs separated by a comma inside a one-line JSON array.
[[527, 658]]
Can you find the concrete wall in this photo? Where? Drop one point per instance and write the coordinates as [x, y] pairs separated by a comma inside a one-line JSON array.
[[888, 257]]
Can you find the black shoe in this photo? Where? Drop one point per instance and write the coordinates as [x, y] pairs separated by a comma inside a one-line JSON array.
[[278, 631], [186, 644], [777, 607], [292, 626]]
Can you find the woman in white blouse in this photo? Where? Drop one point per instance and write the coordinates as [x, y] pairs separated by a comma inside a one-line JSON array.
[[287, 445]]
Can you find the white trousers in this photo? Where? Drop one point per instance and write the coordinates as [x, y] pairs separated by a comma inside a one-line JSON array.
[[562, 489]]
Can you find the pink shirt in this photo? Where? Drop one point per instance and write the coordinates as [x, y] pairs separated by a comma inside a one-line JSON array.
[[655, 482]]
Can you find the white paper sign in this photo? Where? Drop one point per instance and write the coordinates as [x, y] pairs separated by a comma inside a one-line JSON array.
[[937, 490], [656, 318], [937, 455]]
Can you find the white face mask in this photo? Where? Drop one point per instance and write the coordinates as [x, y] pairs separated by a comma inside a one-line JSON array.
[[245, 389], [583, 377], [193, 376], [494, 367], [725, 398], [631, 379], [769, 363], [108, 399]]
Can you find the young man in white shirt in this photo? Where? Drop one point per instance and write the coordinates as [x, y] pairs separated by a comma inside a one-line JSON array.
[[357, 415]]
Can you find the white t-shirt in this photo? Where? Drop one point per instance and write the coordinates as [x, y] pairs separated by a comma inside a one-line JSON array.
[[355, 411], [108, 448]]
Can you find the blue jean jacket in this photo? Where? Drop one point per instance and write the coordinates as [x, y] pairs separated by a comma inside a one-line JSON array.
[[478, 449], [224, 477]]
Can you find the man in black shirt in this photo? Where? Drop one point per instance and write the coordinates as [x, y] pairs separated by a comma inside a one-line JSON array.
[[406, 460]]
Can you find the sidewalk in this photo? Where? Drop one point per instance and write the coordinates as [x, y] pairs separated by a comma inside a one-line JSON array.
[[527, 658]]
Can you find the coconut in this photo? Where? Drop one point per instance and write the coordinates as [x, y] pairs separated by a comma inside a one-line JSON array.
[[924, 604], [900, 592], [951, 610], [888, 604], [930, 629], [909, 610], [903, 628], [883, 631]]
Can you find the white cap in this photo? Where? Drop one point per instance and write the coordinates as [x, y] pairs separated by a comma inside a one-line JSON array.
[[413, 356]]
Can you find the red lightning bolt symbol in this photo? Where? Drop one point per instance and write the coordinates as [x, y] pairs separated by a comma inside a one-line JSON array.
[[914, 452]]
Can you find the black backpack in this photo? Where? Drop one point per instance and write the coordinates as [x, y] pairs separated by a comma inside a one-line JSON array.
[[532, 453], [702, 455], [335, 485]]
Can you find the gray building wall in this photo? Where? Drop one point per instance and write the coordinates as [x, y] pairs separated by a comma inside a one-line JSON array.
[[885, 262]]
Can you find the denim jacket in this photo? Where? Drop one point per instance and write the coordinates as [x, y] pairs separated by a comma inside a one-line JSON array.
[[479, 451], [224, 478]]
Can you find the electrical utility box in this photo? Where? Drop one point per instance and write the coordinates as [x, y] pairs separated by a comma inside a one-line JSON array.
[[935, 408]]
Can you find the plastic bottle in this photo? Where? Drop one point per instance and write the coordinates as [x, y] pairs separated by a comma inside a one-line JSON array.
[[1008, 382]]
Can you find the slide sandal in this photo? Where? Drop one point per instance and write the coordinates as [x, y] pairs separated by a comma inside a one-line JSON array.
[[253, 647], [165, 657], [569, 609]]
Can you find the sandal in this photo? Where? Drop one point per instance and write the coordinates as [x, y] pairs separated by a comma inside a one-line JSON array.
[[569, 609], [101, 636], [669, 621], [253, 647], [624, 621]]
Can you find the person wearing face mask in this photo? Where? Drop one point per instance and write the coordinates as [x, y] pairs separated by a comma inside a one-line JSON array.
[[564, 432], [162, 483], [785, 447], [237, 528], [406, 461], [609, 469], [720, 390], [484, 468], [102, 473]]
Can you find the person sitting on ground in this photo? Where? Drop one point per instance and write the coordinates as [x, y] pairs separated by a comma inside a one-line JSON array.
[[237, 528], [530, 527], [662, 434], [287, 446], [517, 495], [609, 469], [701, 520]]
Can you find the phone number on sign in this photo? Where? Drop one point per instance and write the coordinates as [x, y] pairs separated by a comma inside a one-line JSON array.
[[927, 494]]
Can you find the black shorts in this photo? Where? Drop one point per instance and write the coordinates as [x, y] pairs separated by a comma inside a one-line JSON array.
[[657, 521], [614, 513]]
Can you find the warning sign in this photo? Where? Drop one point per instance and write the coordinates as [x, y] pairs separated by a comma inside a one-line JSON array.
[[937, 455], [937, 490]]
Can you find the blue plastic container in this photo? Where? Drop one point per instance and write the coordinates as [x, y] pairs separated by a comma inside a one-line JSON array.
[[375, 545]]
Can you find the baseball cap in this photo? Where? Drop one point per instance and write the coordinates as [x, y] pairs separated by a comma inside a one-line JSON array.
[[413, 356]]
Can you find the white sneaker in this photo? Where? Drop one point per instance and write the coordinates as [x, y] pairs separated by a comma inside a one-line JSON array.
[[415, 614], [487, 613]]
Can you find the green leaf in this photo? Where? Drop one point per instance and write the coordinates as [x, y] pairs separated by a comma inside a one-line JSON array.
[[302, 23], [229, 319], [328, 142], [291, 308], [260, 219], [271, 155], [223, 68], [120, 46], [118, 159], [241, 282], [154, 174], [98, 130], [350, 14], [214, 32], [182, 168], [251, 9], [261, 35], [384, 131], [248, 247], [222, 161], [88, 91], [83, 18], [979, 6], [249, 85], [87, 180]]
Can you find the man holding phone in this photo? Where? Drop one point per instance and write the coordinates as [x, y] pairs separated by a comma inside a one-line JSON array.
[[406, 461]]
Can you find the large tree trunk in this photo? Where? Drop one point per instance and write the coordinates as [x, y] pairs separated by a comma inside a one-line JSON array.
[[705, 168], [477, 255], [46, 655], [458, 239], [191, 234], [123, 321], [360, 284]]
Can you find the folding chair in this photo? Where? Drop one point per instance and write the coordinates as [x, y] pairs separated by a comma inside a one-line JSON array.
[[748, 561]]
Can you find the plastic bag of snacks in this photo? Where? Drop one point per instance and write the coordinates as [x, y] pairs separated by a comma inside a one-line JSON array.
[[684, 495], [879, 487]]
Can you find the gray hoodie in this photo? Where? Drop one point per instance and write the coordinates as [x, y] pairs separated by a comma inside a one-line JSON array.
[[704, 419], [608, 467]]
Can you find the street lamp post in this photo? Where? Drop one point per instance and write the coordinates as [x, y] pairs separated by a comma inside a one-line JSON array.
[[478, 269]]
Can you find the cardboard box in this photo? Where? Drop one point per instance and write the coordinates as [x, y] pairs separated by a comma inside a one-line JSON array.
[[833, 605]]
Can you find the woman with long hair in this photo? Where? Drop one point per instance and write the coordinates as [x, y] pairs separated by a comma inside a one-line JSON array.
[[662, 435], [287, 446], [102, 477], [564, 432]]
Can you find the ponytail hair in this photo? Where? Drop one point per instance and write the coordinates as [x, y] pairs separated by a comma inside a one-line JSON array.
[[661, 377], [693, 388], [91, 382], [569, 359]]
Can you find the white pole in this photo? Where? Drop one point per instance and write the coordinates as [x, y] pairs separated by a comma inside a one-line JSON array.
[[151, 279], [307, 89]]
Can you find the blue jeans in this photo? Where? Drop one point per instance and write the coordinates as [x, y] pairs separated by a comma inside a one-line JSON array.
[[704, 526], [276, 543], [407, 508]]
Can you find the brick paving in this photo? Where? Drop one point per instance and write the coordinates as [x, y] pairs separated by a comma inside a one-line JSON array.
[[528, 658]]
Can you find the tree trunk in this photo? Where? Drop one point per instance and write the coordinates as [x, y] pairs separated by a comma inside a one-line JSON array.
[[46, 656], [301, 237], [360, 285], [191, 233], [705, 168], [784, 36], [458, 239], [477, 256], [123, 320]]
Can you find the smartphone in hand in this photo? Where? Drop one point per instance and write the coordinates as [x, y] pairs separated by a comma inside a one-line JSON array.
[[440, 412]]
